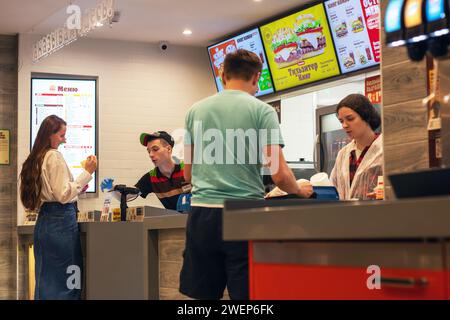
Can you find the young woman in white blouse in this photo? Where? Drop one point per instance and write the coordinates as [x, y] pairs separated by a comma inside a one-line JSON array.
[[47, 186], [359, 163]]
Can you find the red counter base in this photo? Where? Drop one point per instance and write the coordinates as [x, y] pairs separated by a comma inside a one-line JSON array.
[[272, 281], [293, 282]]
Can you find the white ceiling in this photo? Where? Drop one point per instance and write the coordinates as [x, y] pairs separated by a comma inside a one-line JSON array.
[[148, 20]]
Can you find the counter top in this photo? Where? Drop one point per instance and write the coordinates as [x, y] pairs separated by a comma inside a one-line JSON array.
[[365, 220], [167, 220]]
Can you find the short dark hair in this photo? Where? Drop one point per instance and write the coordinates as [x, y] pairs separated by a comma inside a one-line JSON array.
[[241, 64], [362, 106]]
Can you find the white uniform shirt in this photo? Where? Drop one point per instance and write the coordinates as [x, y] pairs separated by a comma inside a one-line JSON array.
[[58, 184], [366, 176]]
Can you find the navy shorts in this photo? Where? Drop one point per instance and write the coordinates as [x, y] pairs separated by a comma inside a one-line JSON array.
[[209, 263]]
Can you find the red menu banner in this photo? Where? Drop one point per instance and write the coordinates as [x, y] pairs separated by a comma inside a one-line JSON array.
[[373, 89], [371, 12]]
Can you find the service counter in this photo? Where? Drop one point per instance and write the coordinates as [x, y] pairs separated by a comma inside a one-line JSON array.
[[125, 260], [301, 249]]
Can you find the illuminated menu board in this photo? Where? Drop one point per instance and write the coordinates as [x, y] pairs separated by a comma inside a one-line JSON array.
[[250, 41], [299, 48], [355, 25], [75, 102]]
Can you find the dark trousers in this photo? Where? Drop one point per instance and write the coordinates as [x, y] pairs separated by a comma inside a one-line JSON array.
[[209, 263], [57, 252]]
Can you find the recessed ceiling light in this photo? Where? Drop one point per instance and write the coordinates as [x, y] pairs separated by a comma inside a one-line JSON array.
[[257, 0], [187, 32]]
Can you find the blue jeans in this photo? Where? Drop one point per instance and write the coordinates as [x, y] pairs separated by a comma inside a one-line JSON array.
[[57, 252]]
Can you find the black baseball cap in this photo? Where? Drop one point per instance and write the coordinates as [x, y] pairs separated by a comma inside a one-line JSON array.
[[146, 137]]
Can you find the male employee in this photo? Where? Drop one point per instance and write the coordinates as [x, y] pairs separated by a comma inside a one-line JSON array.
[[225, 170], [166, 179]]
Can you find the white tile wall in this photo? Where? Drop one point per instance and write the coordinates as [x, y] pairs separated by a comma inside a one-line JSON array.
[[141, 89]]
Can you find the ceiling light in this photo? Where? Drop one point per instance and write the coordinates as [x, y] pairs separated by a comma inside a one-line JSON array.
[[187, 32], [257, 0]]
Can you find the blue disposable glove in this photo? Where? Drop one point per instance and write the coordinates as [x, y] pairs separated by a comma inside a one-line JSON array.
[[107, 184], [184, 202]]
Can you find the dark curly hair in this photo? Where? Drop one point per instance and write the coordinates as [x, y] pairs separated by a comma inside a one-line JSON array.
[[362, 106]]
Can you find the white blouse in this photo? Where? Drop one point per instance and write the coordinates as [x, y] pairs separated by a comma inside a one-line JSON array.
[[58, 184]]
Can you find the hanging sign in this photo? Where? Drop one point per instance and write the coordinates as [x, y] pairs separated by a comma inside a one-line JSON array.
[[76, 26]]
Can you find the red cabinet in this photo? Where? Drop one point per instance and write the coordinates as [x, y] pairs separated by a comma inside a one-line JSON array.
[[296, 270]]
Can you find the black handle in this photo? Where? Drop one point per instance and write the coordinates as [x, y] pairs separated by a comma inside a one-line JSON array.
[[404, 282]]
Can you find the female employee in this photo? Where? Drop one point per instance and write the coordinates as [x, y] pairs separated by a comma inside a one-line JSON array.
[[47, 185], [359, 163]]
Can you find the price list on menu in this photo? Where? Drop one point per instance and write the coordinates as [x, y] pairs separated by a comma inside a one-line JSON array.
[[75, 102], [355, 28]]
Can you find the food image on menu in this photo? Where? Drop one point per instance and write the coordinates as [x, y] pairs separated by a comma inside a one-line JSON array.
[[349, 61], [285, 47], [357, 25], [310, 34], [362, 59], [300, 49], [341, 30]]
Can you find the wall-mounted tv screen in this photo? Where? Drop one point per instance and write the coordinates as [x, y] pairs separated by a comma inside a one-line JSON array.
[[251, 41], [75, 101], [299, 48], [355, 25]]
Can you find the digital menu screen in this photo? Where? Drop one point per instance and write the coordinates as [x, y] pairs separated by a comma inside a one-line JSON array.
[[355, 25], [250, 41], [393, 19], [75, 102], [299, 48], [435, 10], [413, 13]]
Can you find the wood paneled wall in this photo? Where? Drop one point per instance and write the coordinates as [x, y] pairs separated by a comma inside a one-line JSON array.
[[171, 247], [8, 173], [404, 85]]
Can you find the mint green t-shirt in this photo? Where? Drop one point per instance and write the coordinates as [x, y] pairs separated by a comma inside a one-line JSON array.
[[228, 131]]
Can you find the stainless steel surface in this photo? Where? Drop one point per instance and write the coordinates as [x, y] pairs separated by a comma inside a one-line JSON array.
[[321, 111], [355, 254], [401, 219]]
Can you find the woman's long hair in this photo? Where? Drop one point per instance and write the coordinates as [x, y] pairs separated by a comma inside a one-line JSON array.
[[30, 176]]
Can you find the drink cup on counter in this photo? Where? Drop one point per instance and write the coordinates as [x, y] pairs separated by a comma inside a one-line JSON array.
[[320, 180]]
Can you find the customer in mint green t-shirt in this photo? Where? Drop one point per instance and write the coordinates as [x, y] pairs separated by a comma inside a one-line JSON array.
[[230, 137]]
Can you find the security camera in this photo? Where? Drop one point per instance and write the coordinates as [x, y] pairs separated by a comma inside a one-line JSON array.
[[163, 46]]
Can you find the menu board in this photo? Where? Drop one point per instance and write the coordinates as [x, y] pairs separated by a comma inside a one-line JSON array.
[[355, 25], [250, 41], [299, 48], [75, 102]]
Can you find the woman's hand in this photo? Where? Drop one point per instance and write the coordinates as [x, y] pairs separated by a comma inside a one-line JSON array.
[[91, 164]]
